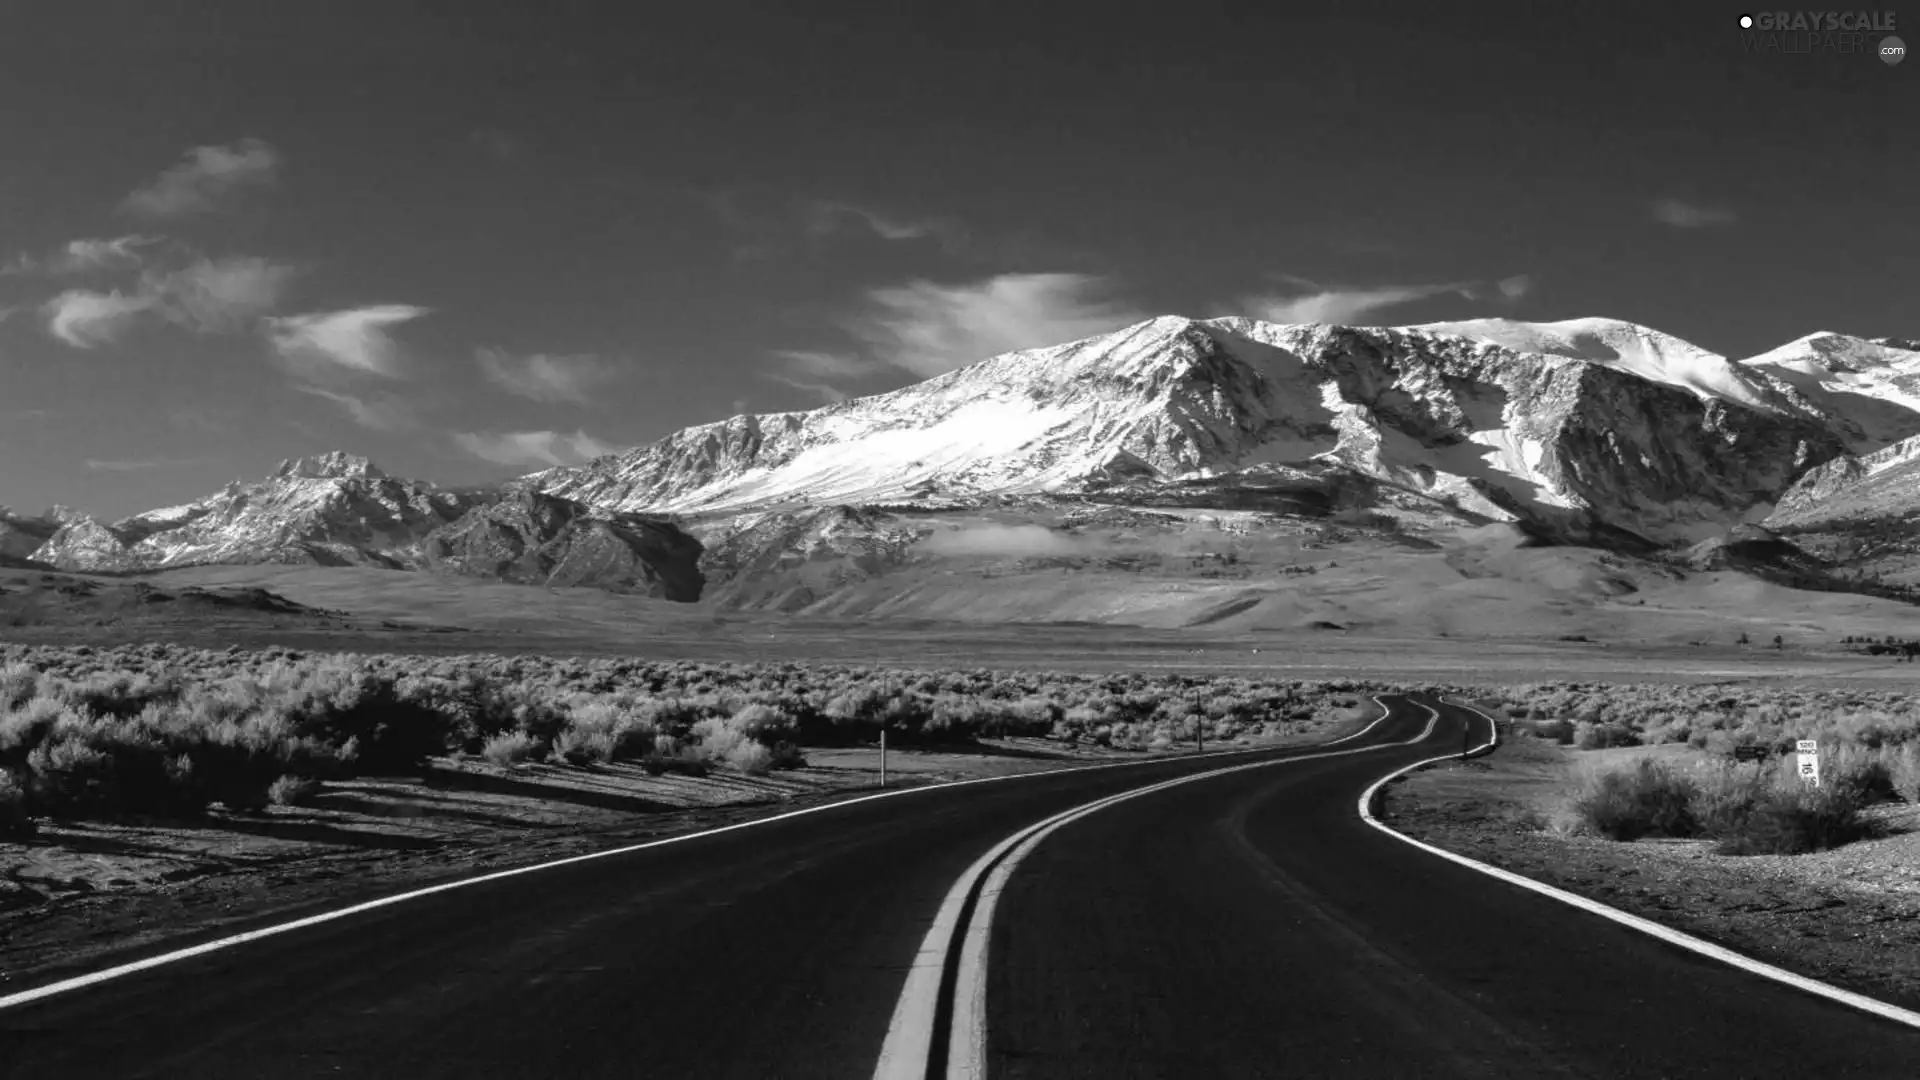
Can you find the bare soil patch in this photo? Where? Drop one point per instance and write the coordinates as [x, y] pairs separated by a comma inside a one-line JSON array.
[[1850, 916]]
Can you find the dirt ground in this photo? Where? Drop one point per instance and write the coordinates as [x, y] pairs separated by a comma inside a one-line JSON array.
[[1850, 917], [86, 895]]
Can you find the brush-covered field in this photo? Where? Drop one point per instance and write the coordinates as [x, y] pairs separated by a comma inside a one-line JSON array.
[[169, 730]]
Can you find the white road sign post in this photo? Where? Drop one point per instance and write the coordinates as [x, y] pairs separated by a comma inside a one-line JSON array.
[[1809, 760]]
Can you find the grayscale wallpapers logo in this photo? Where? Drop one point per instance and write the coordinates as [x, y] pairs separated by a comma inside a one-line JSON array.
[[1809, 32]]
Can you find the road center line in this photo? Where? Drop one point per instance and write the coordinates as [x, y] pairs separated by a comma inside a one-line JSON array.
[[94, 978], [939, 1025]]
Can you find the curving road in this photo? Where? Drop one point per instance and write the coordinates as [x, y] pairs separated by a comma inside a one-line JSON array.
[[1243, 924]]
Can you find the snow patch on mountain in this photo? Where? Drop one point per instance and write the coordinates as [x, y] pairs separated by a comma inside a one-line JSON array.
[[1624, 346], [1870, 389]]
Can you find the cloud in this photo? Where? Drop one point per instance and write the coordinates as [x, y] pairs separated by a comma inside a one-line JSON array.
[[355, 339], [930, 329], [517, 448], [829, 365], [81, 256], [133, 466], [1347, 306], [1343, 305], [213, 295], [84, 319], [208, 296], [1685, 215], [1515, 287], [386, 413], [543, 377], [828, 393], [827, 218], [811, 371], [208, 174]]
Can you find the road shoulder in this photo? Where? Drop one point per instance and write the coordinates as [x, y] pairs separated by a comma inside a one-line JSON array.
[[1850, 917]]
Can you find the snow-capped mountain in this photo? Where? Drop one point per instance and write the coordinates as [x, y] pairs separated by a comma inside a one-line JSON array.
[[1885, 483], [337, 509], [1867, 389], [1594, 430], [1588, 424]]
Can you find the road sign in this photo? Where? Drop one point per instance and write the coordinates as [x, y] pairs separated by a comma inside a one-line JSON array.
[[1809, 750]]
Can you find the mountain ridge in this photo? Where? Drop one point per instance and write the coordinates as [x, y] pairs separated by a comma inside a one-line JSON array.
[[1590, 431]]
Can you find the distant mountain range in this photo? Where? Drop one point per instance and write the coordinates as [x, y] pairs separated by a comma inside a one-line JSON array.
[[1588, 431]]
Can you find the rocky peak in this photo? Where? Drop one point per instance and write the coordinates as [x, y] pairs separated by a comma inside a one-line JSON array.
[[333, 465]]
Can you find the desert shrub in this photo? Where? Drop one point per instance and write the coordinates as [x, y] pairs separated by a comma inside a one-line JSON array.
[[341, 702], [1903, 766], [787, 755], [1864, 774], [16, 818], [121, 694], [1725, 793], [292, 790], [511, 748], [1558, 731], [1588, 735], [584, 745], [750, 757], [1791, 819], [1648, 799], [19, 684], [760, 721]]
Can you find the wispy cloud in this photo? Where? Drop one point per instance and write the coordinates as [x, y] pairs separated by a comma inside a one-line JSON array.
[[761, 227], [214, 295], [543, 377], [1343, 305], [384, 413], [208, 174], [81, 256], [98, 465], [355, 339], [815, 371], [822, 218], [1687, 215], [1515, 287], [827, 392], [85, 319], [831, 365], [930, 329], [519, 448], [206, 295]]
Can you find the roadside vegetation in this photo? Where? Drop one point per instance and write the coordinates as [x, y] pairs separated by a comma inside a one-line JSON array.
[[168, 731], [1740, 786]]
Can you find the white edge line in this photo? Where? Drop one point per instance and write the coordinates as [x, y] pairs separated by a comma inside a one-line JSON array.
[[94, 978], [967, 1044], [910, 1032], [1667, 934]]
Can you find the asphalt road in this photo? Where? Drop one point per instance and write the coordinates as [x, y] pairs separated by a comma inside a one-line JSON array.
[[1245, 925]]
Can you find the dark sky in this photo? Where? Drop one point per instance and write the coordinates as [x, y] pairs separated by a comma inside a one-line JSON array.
[[471, 239]]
